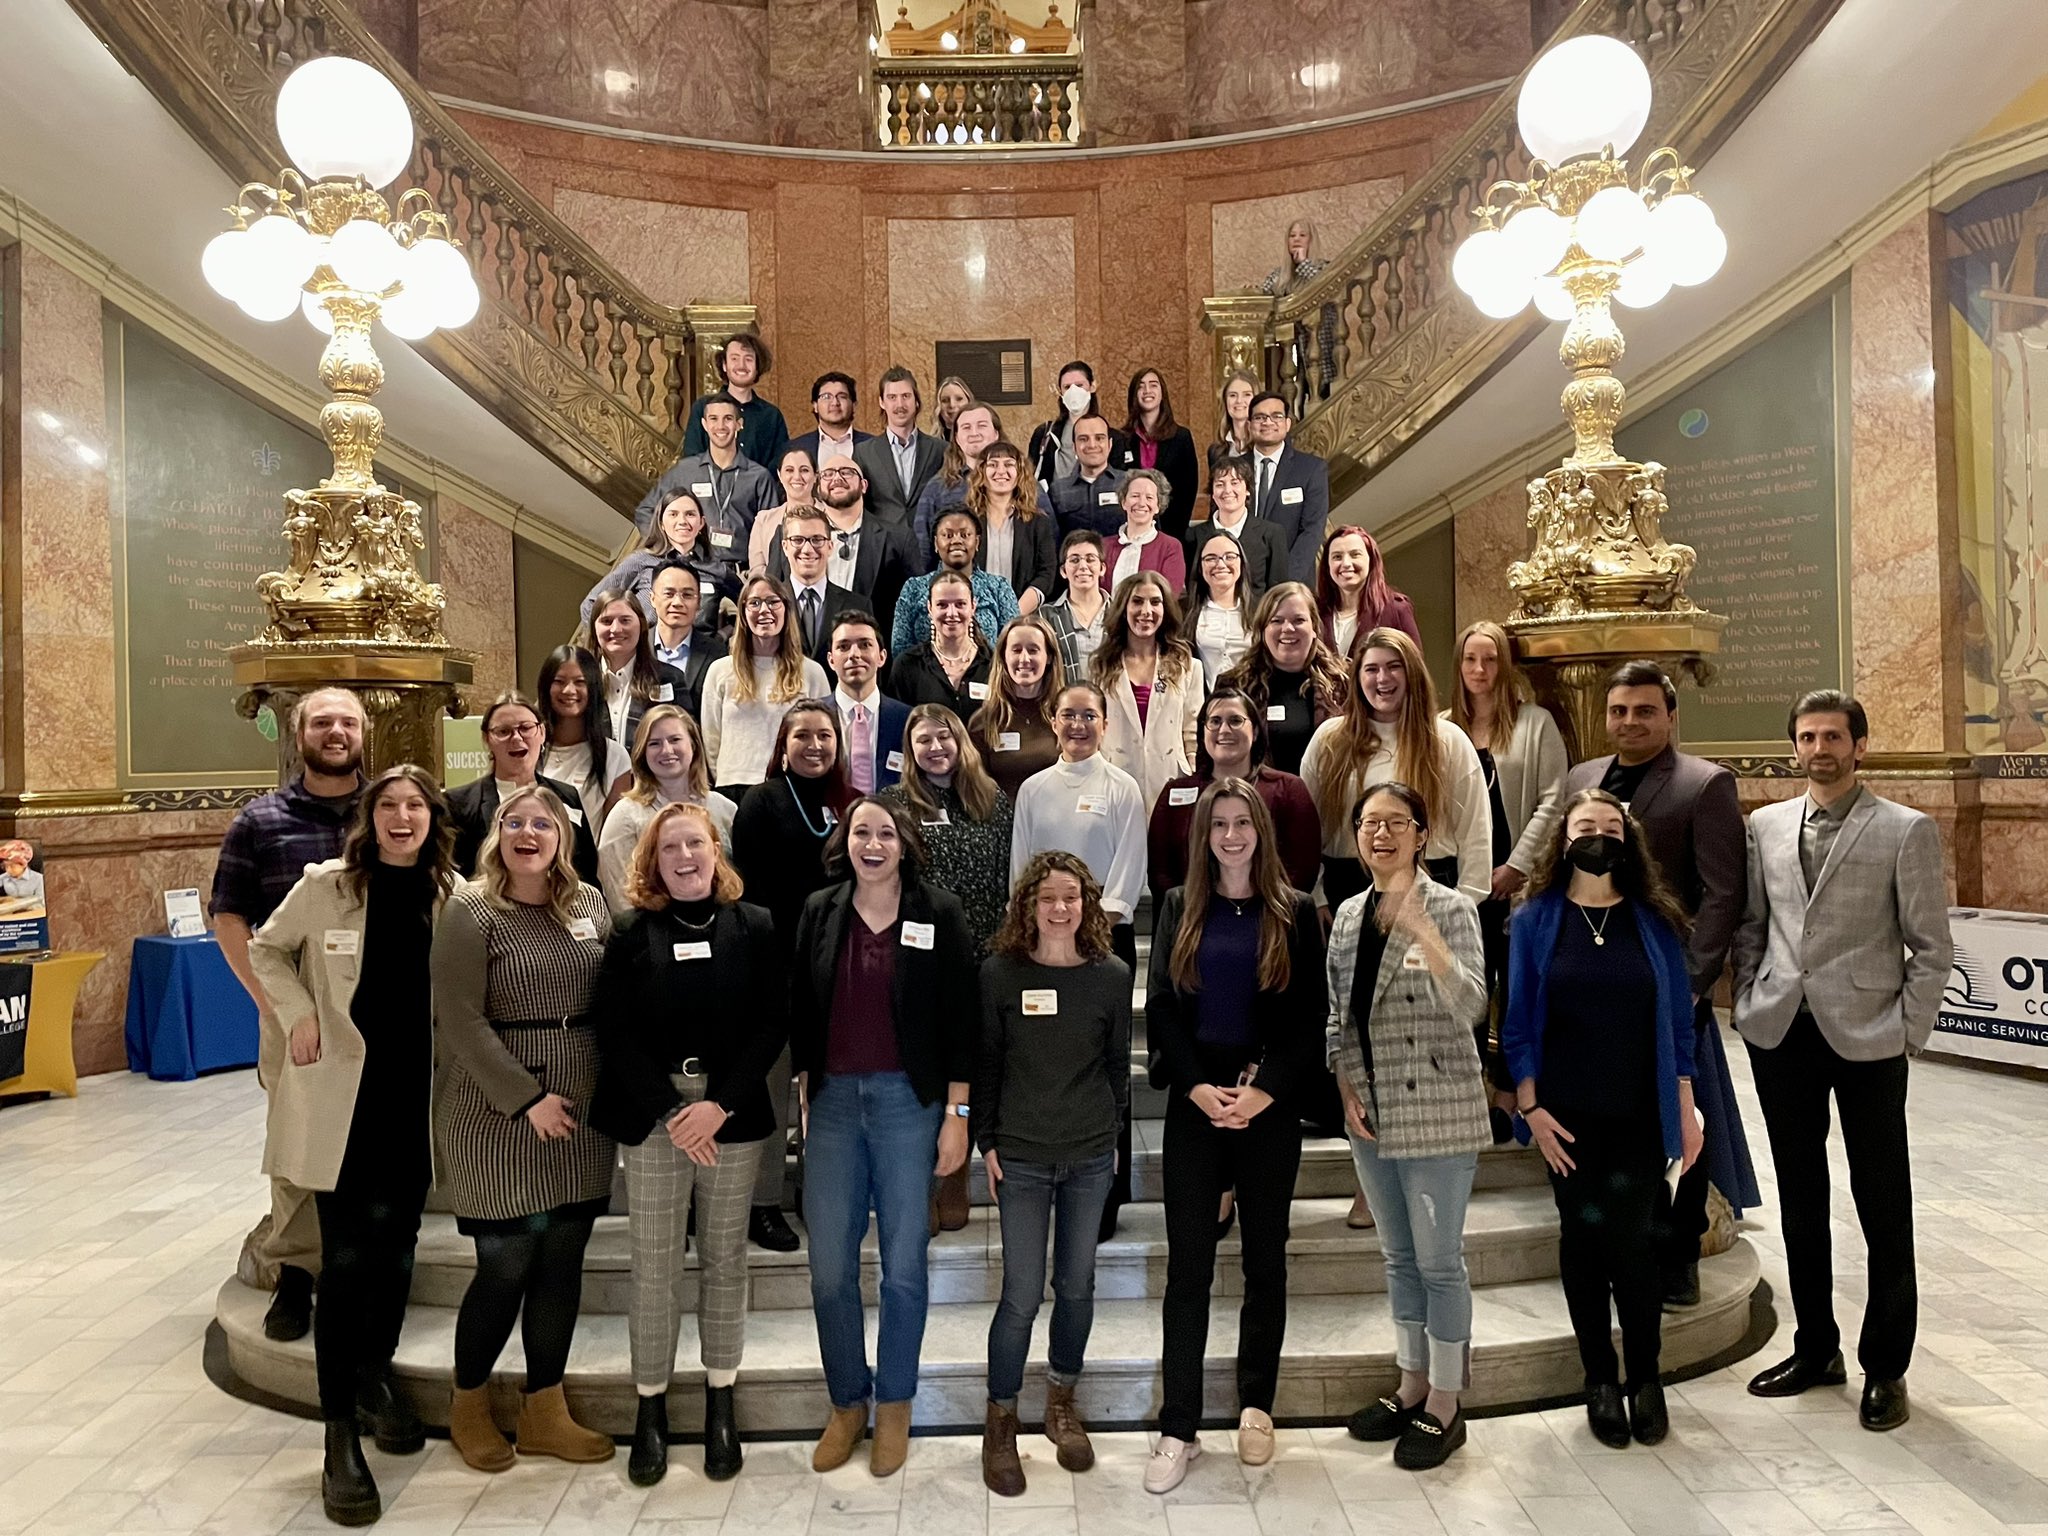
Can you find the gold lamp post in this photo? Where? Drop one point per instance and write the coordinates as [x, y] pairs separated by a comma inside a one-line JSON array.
[[1601, 582], [350, 608]]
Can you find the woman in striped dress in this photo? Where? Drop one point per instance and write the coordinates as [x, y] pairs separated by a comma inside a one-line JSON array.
[[515, 964]]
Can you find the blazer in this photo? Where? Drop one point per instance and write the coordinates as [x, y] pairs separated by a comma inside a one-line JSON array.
[[644, 993], [1034, 553], [916, 677], [886, 496], [471, 807], [882, 562], [811, 441], [1532, 942], [1288, 1022], [1298, 504], [1867, 950], [678, 686], [1259, 540], [939, 497], [935, 1000], [1163, 746], [705, 648], [837, 601], [892, 718], [1176, 460], [1531, 773], [1426, 1091], [1693, 824], [1162, 554]]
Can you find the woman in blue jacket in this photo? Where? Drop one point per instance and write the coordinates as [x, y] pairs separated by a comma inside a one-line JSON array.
[[1598, 1037]]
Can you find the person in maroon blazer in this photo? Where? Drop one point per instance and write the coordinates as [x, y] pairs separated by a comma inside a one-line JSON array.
[[1233, 746], [1353, 595]]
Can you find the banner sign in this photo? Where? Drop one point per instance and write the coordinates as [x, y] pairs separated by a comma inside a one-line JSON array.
[[1995, 1007], [24, 914], [15, 982]]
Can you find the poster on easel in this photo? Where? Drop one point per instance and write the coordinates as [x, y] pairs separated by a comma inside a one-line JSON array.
[[24, 910]]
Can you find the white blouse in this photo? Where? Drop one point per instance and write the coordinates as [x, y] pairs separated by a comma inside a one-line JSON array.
[[571, 766], [1093, 810], [1465, 829], [1221, 639], [739, 736]]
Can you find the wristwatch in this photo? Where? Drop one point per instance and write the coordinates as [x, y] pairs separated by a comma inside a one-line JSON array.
[[961, 1110]]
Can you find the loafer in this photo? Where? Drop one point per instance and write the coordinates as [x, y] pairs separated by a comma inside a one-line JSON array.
[[1647, 1417], [1359, 1218], [1428, 1441], [1796, 1374], [1884, 1403], [1607, 1415], [1254, 1438], [767, 1228], [1168, 1464], [1682, 1287], [1384, 1418]]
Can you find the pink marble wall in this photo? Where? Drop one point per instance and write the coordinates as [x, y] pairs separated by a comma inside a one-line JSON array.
[[395, 24], [675, 252], [475, 558], [1134, 88], [1488, 536], [815, 52], [1247, 237]]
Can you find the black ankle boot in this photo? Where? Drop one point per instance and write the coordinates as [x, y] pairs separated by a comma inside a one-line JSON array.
[[290, 1315], [648, 1463], [383, 1412], [722, 1455], [1607, 1415], [347, 1491]]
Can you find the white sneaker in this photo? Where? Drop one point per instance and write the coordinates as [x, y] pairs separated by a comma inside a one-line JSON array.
[[1169, 1463]]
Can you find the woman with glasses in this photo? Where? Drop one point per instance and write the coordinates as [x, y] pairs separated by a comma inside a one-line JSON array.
[[668, 769], [1295, 680], [1219, 606], [580, 748], [1019, 533], [1141, 544], [1233, 746], [1153, 684], [513, 734], [1013, 730], [951, 666], [747, 692], [1264, 547]]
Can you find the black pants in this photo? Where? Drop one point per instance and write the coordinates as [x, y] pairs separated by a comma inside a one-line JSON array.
[[1607, 1226], [1684, 1215], [533, 1276], [1793, 1081], [1123, 942], [366, 1247], [1201, 1162]]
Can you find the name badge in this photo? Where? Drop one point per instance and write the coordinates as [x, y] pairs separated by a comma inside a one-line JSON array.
[[699, 950], [1186, 795], [575, 816], [582, 928], [1092, 805], [1041, 1001], [1108, 499], [1414, 961], [706, 588], [977, 690], [721, 540], [1009, 741], [1276, 711], [665, 694], [341, 941], [1290, 495], [702, 488], [893, 762], [917, 935], [938, 819]]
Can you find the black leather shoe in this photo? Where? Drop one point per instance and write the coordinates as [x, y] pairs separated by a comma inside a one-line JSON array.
[[1607, 1415], [347, 1491], [1646, 1413], [1884, 1403], [1427, 1442], [291, 1306], [383, 1413], [1795, 1374], [1682, 1287], [1382, 1419], [766, 1228], [648, 1463], [722, 1454]]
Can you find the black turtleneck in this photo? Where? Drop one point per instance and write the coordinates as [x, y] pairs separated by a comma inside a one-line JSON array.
[[778, 846], [388, 1136], [1287, 737]]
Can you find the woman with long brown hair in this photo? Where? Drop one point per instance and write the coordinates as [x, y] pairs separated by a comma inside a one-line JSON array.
[[1019, 533], [1290, 674], [1235, 1006], [1154, 440], [1233, 421], [1013, 729], [951, 665], [630, 680], [748, 691], [579, 748], [668, 769], [1353, 594], [1153, 684], [679, 533]]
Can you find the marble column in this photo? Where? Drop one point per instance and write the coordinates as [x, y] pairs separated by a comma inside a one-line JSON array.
[[815, 52], [1134, 71]]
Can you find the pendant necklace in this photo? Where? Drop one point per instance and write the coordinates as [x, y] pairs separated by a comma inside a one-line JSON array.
[[1599, 933]]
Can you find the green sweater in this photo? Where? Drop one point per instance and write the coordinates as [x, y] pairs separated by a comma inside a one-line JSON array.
[[1051, 1085]]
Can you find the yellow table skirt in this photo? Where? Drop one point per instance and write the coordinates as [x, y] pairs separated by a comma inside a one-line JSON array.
[[50, 1065]]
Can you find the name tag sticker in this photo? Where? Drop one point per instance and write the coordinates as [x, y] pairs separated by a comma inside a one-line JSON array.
[[1041, 1001], [1276, 711], [341, 941], [721, 540], [575, 815], [701, 488], [1414, 961], [1092, 805], [893, 762], [1186, 795], [665, 694], [700, 950], [977, 690], [582, 928], [917, 935], [706, 588], [1009, 741], [938, 819], [1290, 495], [1108, 499]]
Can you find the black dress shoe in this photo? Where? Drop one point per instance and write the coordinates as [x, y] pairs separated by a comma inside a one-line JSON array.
[[1427, 1442], [383, 1412], [722, 1454], [766, 1228], [1384, 1418], [1607, 1415], [291, 1306], [347, 1491], [1646, 1413], [1795, 1374], [1682, 1287], [1884, 1403], [648, 1462]]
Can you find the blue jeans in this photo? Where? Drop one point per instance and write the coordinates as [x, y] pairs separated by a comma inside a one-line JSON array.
[[1419, 1204], [1028, 1196], [870, 1143]]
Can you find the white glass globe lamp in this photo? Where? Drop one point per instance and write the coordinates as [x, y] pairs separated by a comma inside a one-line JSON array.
[[364, 256], [269, 301], [1506, 297], [1536, 238], [436, 271], [340, 117], [1481, 262], [1699, 259], [1553, 300], [1644, 281], [1582, 97], [409, 314], [279, 252], [225, 262], [316, 314], [1612, 224]]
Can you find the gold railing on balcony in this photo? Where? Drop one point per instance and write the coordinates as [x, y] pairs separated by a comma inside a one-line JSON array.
[[1381, 344], [566, 350], [1029, 101]]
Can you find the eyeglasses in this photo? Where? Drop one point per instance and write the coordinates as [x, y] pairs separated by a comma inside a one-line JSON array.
[[522, 824], [764, 605], [1077, 717], [1228, 722], [1269, 416], [1225, 557], [1385, 823], [514, 732], [839, 474], [805, 541], [835, 394]]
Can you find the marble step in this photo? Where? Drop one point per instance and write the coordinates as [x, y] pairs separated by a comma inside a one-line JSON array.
[[1338, 1354], [1510, 1235]]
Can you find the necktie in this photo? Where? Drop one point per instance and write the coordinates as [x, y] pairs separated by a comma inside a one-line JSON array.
[[1265, 483], [809, 604], [863, 750]]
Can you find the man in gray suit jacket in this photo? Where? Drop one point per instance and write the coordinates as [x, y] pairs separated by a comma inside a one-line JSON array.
[[901, 460], [1839, 965]]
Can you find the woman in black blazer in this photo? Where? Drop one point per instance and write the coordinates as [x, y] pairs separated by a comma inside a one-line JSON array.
[[884, 1010], [682, 1090], [1152, 439], [1014, 509]]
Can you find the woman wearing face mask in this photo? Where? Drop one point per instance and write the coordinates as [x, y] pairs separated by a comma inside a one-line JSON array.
[[1219, 606], [1154, 440], [797, 477], [1407, 982], [343, 961], [1293, 679], [1352, 593], [952, 666], [884, 1007], [679, 533], [1013, 731], [580, 751], [1153, 684], [668, 769], [1235, 1007], [948, 401], [1233, 746], [1051, 1086], [631, 679], [513, 735], [1141, 544], [1052, 442], [746, 693], [683, 1091], [515, 961], [1234, 432], [1019, 533], [1598, 1036]]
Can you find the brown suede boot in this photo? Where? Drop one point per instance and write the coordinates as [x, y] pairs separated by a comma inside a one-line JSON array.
[[545, 1429], [891, 1446], [1001, 1469], [842, 1433], [474, 1433], [952, 1200], [1063, 1427]]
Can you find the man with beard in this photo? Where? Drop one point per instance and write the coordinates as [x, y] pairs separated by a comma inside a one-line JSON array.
[[268, 846], [869, 558]]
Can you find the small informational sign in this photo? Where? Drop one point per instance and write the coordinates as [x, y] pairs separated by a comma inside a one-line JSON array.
[[1995, 1006], [17, 982], [24, 911], [464, 758], [998, 372], [184, 915]]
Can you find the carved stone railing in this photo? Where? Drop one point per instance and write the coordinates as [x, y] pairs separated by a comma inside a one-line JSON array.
[[566, 350], [1381, 343], [1031, 101]]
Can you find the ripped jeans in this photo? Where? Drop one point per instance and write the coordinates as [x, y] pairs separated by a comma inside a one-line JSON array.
[[1419, 1206]]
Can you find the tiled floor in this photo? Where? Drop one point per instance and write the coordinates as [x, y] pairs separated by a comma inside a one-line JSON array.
[[120, 1214]]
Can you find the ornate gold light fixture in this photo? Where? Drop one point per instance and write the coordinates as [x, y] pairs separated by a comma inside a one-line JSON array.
[[350, 608], [1601, 582]]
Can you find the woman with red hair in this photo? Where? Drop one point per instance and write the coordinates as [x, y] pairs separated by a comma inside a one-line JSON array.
[[1352, 594]]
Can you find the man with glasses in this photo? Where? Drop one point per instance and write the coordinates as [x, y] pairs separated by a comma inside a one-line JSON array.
[[1289, 488], [806, 549], [833, 398], [902, 461], [868, 557]]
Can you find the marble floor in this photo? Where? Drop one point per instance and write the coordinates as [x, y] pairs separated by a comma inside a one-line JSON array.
[[121, 1212]]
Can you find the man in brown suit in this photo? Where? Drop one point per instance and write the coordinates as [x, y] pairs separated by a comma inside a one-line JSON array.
[[1693, 824]]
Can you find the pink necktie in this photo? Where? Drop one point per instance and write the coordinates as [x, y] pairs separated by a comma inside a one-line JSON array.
[[863, 750]]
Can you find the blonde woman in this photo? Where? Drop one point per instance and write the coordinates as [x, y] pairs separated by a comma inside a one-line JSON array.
[[747, 692], [1013, 731], [1153, 684], [669, 768]]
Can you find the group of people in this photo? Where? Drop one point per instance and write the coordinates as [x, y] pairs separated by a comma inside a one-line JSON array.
[[895, 858]]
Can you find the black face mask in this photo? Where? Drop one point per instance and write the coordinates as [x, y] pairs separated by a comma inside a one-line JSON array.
[[1596, 855]]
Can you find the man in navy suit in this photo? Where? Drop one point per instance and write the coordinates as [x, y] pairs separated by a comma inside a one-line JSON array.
[[1289, 487], [677, 599], [832, 400], [874, 724]]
